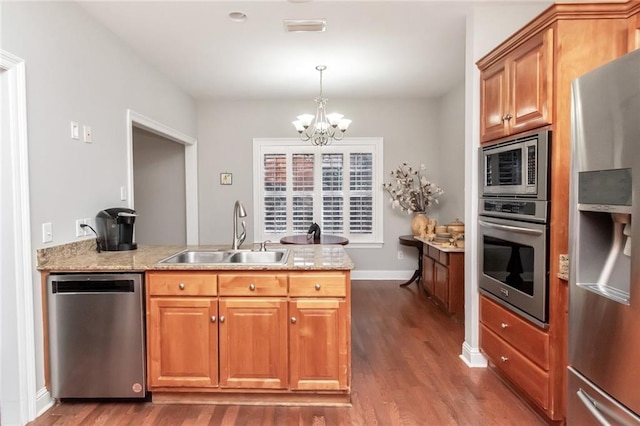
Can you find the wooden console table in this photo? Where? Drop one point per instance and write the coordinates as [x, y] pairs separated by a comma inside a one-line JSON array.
[[409, 240]]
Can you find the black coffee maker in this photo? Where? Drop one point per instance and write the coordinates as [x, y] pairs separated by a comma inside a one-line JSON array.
[[115, 229]]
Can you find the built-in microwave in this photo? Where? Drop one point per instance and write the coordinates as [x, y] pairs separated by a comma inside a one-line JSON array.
[[516, 167]]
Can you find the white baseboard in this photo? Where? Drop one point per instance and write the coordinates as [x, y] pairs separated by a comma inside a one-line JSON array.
[[381, 275], [472, 356], [44, 401]]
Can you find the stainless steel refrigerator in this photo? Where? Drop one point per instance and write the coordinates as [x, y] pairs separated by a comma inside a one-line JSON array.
[[604, 291]]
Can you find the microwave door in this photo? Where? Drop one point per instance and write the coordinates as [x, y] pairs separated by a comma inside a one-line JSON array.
[[503, 170]]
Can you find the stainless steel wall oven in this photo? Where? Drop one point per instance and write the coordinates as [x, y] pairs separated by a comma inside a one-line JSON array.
[[513, 225]]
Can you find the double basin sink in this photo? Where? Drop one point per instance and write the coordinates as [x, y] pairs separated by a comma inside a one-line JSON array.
[[244, 257]]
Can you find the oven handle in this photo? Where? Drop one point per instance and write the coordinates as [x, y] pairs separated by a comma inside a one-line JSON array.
[[511, 228]]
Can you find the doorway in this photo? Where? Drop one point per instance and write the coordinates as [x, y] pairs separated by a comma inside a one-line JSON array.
[[137, 122], [160, 189]]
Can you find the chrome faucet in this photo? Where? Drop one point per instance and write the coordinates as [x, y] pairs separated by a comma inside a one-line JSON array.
[[238, 211]]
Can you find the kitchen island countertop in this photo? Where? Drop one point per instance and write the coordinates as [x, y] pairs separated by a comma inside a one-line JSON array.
[[82, 257]]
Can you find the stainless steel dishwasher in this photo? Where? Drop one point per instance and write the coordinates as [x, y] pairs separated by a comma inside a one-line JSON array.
[[96, 335]]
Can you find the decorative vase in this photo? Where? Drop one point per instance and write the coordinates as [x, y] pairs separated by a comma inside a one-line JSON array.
[[419, 224]]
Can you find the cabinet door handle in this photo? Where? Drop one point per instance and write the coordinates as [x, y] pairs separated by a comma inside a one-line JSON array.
[[317, 287], [504, 325], [181, 285], [252, 287], [213, 318], [507, 117], [221, 318], [504, 359], [294, 320]]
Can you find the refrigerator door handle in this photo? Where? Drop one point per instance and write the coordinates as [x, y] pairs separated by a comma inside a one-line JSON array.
[[511, 228], [591, 405]]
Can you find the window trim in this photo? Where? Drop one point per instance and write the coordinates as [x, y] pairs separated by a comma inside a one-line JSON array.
[[375, 144]]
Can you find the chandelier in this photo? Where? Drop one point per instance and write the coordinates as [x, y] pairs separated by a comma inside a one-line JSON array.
[[323, 128]]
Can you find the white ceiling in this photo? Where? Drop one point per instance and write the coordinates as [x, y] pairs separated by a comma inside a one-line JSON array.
[[373, 49]]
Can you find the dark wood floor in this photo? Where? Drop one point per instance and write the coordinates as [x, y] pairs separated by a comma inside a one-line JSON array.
[[406, 371]]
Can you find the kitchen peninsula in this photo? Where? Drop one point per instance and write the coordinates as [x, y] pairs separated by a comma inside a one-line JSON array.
[[236, 333]]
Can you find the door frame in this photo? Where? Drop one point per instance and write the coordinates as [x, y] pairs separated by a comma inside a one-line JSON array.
[[135, 119], [22, 267]]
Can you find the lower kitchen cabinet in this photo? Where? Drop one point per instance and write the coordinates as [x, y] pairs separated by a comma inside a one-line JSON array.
[[517, 348], [443, 278], [255, 331], [319, 344], [253, 343], [182, 330]]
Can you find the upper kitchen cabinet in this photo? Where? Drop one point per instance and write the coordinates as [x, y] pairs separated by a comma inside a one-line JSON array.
[[515, 91]]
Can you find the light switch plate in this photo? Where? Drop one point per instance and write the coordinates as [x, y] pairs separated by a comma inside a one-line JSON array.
[[75, 130], [47, 232], [88, 134]]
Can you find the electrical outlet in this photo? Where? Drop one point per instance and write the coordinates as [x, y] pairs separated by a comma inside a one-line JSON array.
[[79, 229], [87, 231], [400, 255]]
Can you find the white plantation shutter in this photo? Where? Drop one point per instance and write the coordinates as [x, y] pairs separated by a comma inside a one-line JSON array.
[[332, 193], [361, 193], [302, 191], [275, 189], [337, 186]]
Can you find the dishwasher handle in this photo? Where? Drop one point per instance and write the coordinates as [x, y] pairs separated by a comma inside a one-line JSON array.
[[92, 286]]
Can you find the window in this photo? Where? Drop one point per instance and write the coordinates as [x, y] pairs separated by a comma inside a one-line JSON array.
[[337, 186]]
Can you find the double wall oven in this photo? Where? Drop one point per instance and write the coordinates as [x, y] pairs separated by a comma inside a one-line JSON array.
[[513, 224]]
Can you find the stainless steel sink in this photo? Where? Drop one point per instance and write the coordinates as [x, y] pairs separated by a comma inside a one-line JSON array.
[[258, 257], [245, 257]]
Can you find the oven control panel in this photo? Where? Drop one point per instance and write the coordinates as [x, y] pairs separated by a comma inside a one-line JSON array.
[[515, 208]]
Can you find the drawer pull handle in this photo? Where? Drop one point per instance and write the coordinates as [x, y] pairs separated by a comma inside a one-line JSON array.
[[221, 318], [213, 318], [317, 287], [181, 285], [504, 359], [294, 320], [504, 325], [252, 287]]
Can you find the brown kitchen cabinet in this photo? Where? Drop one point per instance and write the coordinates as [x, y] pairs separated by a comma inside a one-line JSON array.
[[547, 54], [518, 348], [182, 330], [634, 30], [253, 330], [249, 331], [443, 278], [515, 92], [319, 337]]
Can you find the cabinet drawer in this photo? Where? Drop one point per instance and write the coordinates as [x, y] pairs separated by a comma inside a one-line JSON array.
[[181, 284], [525, 374], [525, 337], [438, 255], [267, 284], [317, 284]]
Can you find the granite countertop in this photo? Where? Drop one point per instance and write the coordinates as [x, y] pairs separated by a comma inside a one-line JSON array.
[[82, 257], [447, 249]]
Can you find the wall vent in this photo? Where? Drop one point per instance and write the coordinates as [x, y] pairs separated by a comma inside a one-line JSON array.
[[305, 25]]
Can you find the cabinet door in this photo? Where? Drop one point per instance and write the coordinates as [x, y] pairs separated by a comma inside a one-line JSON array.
[[530, 77], [441, 285], [319, 350], [253, 343], [493, 99], [182, 342], [428, 274]]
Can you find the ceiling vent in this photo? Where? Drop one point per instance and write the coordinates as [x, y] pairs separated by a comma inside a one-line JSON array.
[[305, 25]]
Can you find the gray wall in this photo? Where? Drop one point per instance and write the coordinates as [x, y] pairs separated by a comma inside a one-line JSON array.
[[79, 71], [159, 189], [412, 131]]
